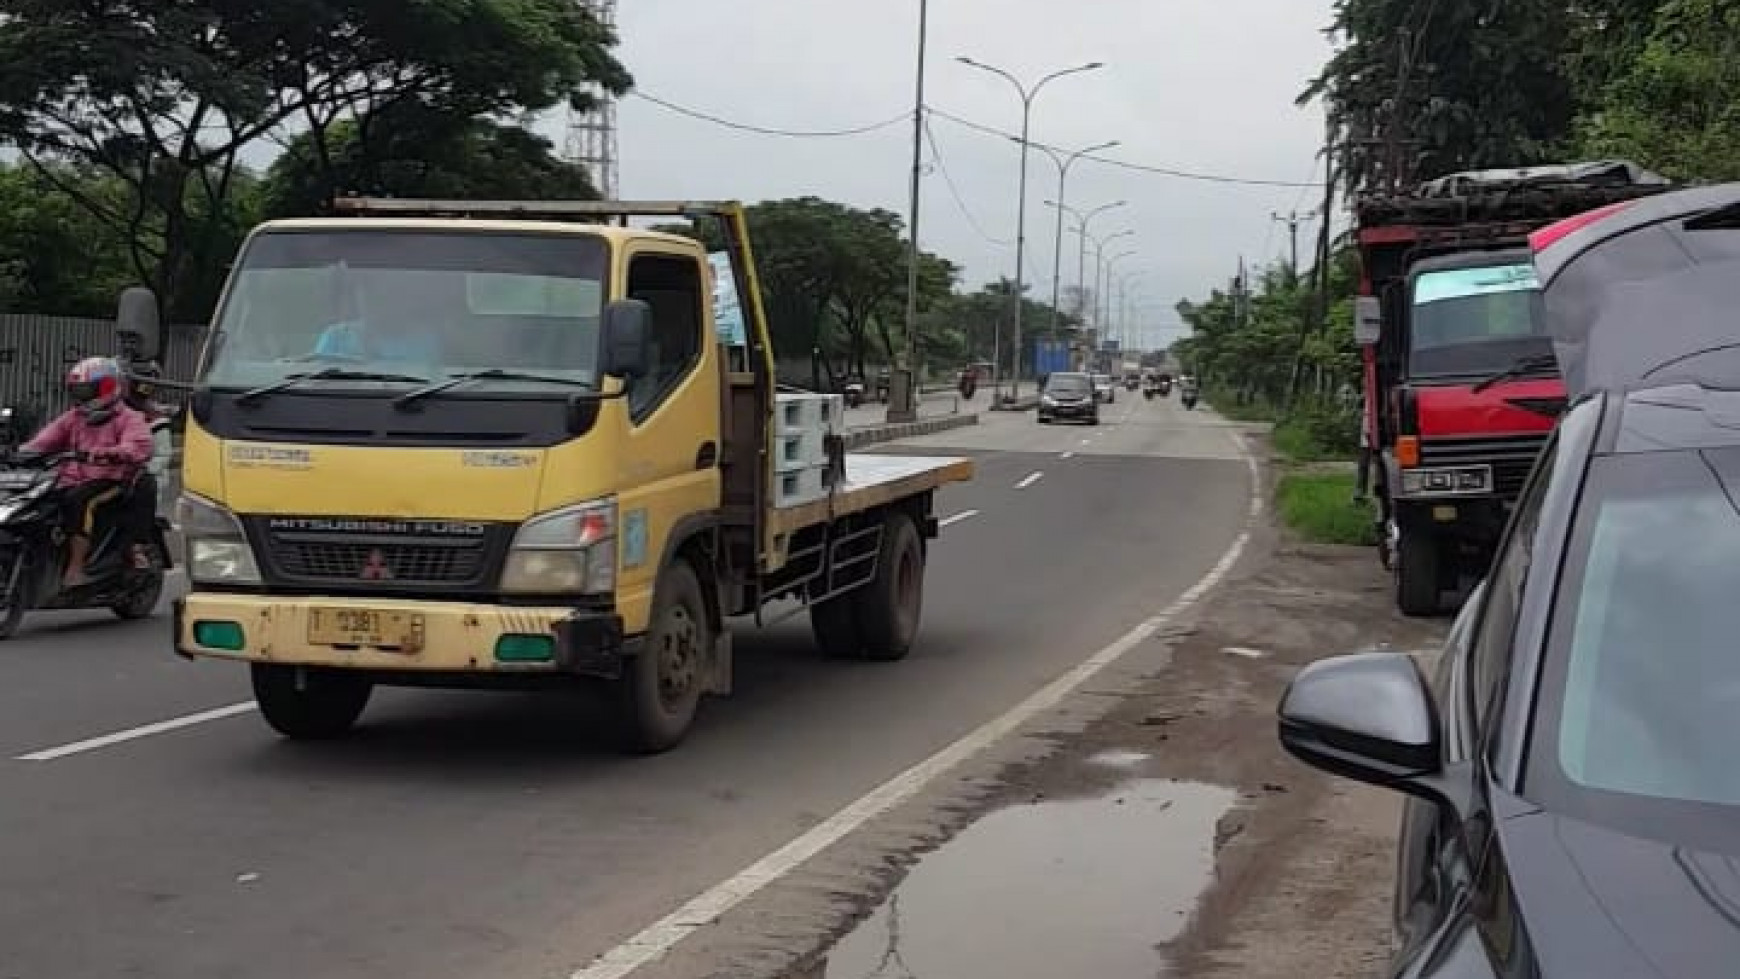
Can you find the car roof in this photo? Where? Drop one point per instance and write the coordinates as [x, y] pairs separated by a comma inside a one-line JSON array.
[[1641, 294]]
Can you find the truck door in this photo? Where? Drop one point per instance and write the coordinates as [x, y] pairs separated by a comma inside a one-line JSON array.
[[670, 460]]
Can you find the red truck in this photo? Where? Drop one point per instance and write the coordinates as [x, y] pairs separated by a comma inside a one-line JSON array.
[[1460, 378]]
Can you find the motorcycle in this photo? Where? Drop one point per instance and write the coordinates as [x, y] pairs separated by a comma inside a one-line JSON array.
[[33, 549], [1149, 392], [1189, 399], [854, 393], [1165, 388]]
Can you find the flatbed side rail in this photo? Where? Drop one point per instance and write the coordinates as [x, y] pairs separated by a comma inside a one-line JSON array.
[[845, 561]]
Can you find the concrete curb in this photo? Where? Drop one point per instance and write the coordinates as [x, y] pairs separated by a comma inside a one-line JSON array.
[[860, 437]]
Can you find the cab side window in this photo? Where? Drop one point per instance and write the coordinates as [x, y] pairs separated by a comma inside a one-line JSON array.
[[675, 289], [1490, 659]]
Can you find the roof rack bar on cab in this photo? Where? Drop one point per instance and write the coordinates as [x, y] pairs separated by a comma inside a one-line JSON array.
[[410, 207]]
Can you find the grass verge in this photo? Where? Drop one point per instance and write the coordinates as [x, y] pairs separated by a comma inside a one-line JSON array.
[[1319, 506]]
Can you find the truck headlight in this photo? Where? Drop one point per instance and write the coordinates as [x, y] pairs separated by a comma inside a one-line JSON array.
[[217, 550], [1446, 482], [571, 551]]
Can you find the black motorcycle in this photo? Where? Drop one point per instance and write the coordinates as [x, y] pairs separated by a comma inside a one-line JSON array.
[[33, 548], [1189, 399]]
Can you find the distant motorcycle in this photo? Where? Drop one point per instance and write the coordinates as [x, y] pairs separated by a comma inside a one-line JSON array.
[[854, 393], [1189, 399]]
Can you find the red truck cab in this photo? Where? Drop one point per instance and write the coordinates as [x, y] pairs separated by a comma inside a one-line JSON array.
[[1459, 368]]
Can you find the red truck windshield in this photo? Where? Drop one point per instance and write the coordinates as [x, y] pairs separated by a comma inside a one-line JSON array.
[[1474, 320]]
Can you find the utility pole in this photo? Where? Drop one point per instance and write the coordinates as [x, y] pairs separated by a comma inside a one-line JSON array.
[[1292, 219], [904, 408]]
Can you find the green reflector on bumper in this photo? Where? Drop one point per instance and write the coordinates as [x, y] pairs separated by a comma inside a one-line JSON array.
[[525, 649], [220, 635]]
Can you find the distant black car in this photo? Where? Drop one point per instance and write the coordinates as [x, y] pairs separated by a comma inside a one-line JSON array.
[[1069, 396], [1573, 764]]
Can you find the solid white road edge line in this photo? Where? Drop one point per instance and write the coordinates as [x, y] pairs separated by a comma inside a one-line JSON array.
[[957, 518], [709, 906], [1029, 480], [134, 733]]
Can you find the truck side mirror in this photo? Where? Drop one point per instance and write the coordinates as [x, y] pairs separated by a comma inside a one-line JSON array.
[[138, 325], [625, 339]]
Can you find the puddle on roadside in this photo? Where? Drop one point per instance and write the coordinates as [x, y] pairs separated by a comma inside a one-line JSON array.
[[1078, 887]]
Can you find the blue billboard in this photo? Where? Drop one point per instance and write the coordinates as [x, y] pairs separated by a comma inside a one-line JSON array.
[[1050, 356]]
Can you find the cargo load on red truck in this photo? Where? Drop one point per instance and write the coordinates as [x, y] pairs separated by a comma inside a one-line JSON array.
[[1461, 384]]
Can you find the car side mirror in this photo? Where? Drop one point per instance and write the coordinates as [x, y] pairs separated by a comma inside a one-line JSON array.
[[625, 339], [138, 324], [1367, 717]]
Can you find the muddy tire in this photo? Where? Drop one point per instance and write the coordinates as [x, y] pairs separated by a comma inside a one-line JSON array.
[[1418, 571], [660, 689], [324, 705], [889, 607]]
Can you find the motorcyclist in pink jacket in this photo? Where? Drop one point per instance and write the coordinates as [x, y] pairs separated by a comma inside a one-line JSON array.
[[113, 441]]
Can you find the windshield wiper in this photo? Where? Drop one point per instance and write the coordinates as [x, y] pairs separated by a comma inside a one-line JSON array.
[[326, 374], [1517, 368], [494, 373]]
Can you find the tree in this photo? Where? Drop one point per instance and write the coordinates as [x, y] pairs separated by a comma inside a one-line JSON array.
[[413, 150], [164, 95], [54, 256], [1676, 103], [833, 277], [1443, 87]]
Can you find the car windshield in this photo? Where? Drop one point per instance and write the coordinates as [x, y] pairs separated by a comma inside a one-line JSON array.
[[1478, 320], [1067, 384], [411, 303], [1102, 379], [1645, 674]]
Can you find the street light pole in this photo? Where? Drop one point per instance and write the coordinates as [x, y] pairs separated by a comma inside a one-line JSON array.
[[1027, 97], [906, 408], [1112, 263], [1100, 298], [1063, 165], [1082, 221]]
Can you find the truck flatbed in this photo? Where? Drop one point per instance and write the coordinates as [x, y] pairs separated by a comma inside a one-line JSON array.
[[874, 480]]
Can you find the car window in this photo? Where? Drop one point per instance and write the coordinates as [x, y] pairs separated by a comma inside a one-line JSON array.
[[1066, 384], [1490, 659], [1650, 700]]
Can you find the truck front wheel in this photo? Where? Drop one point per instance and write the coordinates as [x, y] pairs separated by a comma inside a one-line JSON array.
[[1419, 574], [660, 689], [309, 704]]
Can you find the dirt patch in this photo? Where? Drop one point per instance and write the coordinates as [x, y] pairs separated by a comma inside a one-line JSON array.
[[1305, 863]]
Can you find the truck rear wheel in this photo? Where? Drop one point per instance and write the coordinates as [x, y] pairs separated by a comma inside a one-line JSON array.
[[309, 704], [880, 620], [1419, 574], [660, 689]]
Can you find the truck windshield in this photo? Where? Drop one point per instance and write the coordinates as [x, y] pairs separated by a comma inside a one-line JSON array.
[[1475, 320], [412, 303]]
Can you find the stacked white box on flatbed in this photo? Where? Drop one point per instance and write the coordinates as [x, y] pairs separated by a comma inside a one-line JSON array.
[[802, 423]]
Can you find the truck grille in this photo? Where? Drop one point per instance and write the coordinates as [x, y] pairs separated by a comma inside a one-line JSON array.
[[430, 563], [384, 556], [1511, 457]]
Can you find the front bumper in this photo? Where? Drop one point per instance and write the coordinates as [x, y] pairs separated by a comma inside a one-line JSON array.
[[1084, 409], [453, 637]]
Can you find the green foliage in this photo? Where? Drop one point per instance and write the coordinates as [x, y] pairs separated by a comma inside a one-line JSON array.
[[161, 97], [1320, 507]]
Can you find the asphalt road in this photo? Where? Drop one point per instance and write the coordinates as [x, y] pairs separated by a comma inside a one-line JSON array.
[[462, 835]]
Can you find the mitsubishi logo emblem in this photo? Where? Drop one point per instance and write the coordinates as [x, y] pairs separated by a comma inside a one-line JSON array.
[[375, 568]]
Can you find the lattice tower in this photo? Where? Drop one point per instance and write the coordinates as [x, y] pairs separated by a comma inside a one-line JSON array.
[[592, 134]]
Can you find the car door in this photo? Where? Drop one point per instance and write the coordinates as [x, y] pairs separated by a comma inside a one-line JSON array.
[[1436, 850]]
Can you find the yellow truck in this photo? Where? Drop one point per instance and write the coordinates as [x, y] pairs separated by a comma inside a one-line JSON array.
[[505, 445]]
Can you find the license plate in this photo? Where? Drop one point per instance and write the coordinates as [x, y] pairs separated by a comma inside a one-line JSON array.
[[375, 628]]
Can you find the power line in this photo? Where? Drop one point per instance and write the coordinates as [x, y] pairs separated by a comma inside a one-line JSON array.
[[1125, 164], [768, 131], [955, 191], [981, 128]]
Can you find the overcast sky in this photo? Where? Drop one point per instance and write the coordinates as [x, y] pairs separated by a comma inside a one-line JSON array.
[[1197, 85]]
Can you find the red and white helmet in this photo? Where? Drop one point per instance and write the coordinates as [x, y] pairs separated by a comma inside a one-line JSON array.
[[96, 386]]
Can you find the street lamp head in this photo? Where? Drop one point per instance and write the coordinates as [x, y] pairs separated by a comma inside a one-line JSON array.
[[1092, 66]]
